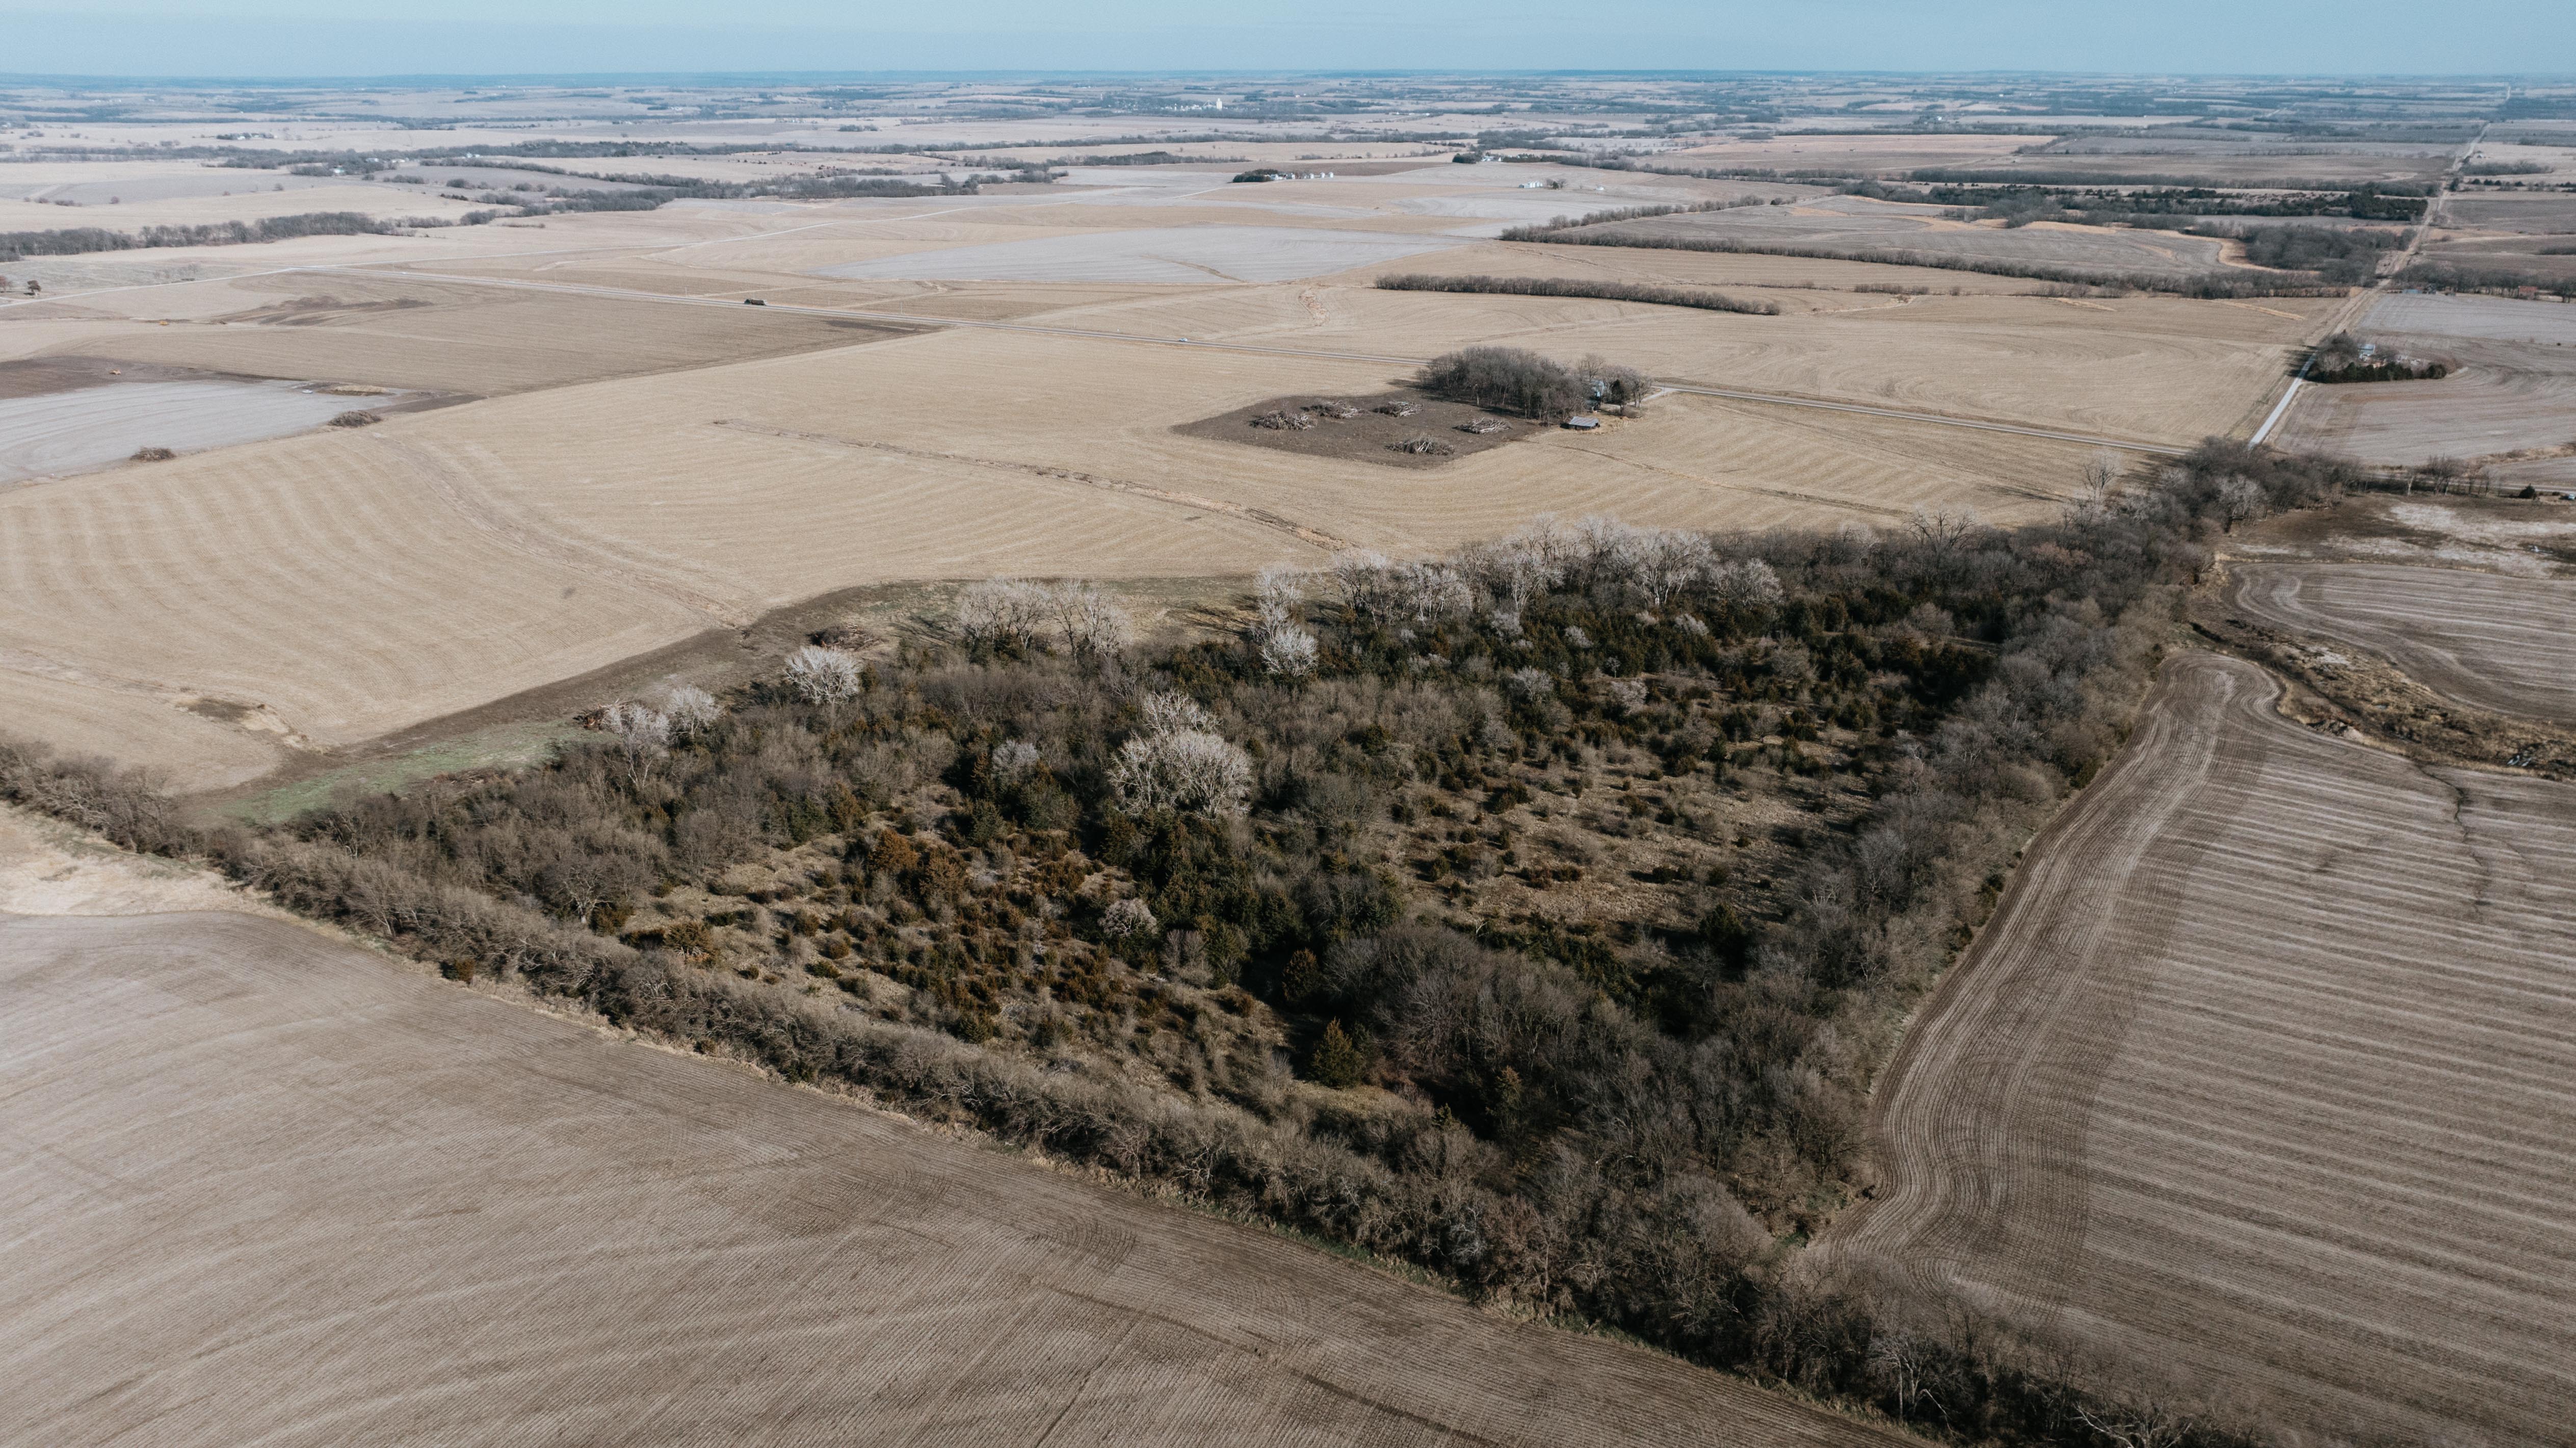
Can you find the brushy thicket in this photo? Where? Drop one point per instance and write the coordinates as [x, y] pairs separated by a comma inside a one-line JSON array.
[[2119, 206], [2335, 253], [2339, 358], [2019, 176], [1608, 291], [1510, 379], [1572, 1126], [2477, 276]]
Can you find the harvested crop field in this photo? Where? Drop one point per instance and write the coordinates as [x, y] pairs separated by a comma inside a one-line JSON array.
[[2512, 384], [2496, 642], [364, 1205], [2549, 215], [2261, 1073], [1853, 154], [453, 337], [96, 427], [1197, 254], [1853, 226]]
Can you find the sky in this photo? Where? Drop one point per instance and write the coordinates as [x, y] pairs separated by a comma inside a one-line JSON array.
[[334, 38]]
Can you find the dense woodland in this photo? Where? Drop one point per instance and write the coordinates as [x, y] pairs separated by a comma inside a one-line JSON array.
[[1539, 915]]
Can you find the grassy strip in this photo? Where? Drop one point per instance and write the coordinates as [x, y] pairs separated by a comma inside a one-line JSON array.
[[1660, 296]]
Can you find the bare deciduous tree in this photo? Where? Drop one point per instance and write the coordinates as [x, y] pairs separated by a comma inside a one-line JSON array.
[[1093, 624], [1014, 760], [1276, 594], [1748, 583], [1360, 576], [1901, 1363], [823, 676], [643, 735], [690, 709], [2240, 500], [1945, 528], [1667, 561], [1003, 613], [2138, 1425], [1187, 771], [1287, 650], [1165, 713]]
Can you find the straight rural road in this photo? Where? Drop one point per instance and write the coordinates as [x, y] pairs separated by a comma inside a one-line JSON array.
[[2349, 315], [1731, 394]]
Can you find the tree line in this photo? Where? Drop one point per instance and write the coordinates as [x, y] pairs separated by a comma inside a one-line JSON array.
[[1609, 291], [80, 240]]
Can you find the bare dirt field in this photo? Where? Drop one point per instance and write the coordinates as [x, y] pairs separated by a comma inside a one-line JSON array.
[[95, 427], [2499, 643], [372, 1206], [2261, 1073], [2544, 215], [1370, 436]]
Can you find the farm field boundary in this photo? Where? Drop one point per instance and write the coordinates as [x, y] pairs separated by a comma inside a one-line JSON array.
[[2283, 1110]]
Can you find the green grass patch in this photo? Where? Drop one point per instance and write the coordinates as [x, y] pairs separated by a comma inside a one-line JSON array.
[[503, 746]]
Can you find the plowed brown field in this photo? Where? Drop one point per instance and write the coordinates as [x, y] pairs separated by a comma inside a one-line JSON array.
[[2499, 643], [2265, 1070], [263, 1187]]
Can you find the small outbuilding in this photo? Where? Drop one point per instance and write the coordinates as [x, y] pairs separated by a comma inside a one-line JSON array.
[[1583, 424]]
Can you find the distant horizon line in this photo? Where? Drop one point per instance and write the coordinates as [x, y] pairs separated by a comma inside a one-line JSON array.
[[44, 78]]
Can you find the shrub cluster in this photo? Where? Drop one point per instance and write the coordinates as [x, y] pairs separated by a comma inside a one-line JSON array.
[[2342, 358], [1509, 379], [2337, 254]]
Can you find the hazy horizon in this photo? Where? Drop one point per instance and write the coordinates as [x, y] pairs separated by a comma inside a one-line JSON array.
[[307, 39]]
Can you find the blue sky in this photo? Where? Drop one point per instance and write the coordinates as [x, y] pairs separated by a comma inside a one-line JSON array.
[[414, 37]]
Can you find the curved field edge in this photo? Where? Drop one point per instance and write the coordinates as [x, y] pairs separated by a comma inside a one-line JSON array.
[[2489, 641], [2258, 1075]]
